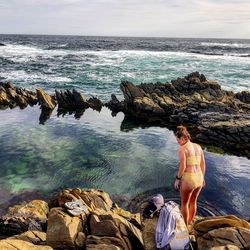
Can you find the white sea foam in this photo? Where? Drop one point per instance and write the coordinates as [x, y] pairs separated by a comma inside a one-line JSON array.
[[32, 77], [230, 45]]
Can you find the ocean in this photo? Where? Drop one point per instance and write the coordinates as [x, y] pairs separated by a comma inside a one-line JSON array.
[[97, 150]]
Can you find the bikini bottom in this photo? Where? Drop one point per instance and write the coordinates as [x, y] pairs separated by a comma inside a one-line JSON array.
[[193, 180]]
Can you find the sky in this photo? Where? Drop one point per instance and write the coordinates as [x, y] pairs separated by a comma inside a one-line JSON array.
[[143, 18]]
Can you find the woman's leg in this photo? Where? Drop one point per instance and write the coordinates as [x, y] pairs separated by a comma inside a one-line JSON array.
[[185, 192], [193, 203]]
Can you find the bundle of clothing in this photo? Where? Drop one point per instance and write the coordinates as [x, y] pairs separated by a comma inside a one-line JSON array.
[[171, 231]]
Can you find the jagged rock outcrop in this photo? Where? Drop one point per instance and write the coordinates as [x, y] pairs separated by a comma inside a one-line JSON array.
[[45, 100], [71, 100], [21, 218], [11, 96], [215, 116]]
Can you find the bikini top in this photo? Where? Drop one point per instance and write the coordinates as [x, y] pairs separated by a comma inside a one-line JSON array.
[[193, 160]]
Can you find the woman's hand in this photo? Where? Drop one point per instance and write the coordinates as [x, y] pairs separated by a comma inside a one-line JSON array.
[[204, 183], [177, 184]]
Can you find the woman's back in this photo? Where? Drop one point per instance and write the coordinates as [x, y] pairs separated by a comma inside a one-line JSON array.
[[193, 153]]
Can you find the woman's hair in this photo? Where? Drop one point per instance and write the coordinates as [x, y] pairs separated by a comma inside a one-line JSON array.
[[182, 132]]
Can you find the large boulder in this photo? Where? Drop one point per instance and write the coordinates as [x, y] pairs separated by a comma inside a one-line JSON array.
[[119, 231], [63, 229], [24, 217], [222, 231], [45, 100]]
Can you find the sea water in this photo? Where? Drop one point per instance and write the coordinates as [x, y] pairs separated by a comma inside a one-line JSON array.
[[101, 151]]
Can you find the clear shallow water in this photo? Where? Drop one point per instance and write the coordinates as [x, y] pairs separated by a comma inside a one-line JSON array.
[[96, 65], [93, 152]]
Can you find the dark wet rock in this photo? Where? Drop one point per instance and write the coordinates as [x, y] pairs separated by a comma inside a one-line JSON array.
[[1, 44], [71, 100], [45, 100], [202, 105], [95, 103], [244, 96], [115, 105]]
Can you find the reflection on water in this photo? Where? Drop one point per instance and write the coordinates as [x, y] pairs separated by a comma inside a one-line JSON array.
[[93, 151]]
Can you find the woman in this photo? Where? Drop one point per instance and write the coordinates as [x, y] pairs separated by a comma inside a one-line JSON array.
[[190, 177]]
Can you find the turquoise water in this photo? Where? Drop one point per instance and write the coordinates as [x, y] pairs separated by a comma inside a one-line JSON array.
[[93, 152]]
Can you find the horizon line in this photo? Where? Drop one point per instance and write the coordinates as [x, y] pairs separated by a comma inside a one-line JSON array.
[[116, 36]]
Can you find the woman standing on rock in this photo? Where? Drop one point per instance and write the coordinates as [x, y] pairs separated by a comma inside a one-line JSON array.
[[190, 177]]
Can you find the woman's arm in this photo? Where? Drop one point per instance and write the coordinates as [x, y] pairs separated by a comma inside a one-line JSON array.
[[182, 162], [181, 168], [203, 164]]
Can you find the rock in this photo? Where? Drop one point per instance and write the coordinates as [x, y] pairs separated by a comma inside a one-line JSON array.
[[1, 44], [63, 230], [121, 233], [115, 105], [80, 240], [45, 100], [222, 231], [71, 100], [244, 96], [148, 232], [4, 99], [99, 243], [21, 218], [15, 244], [95, 103], [93, 198], [34, 237], [192, 101], [12, 96]]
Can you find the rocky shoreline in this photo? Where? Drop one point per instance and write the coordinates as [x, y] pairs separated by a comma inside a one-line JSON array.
[[215, 117], [104, 225]]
